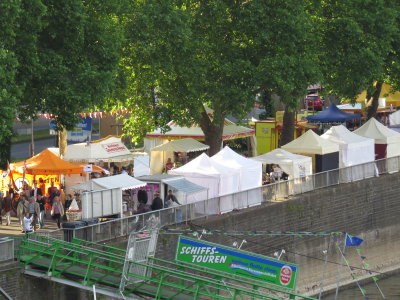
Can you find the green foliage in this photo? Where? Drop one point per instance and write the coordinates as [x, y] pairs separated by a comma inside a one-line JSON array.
[[358, 41], [59, 57], [182, 55], [78, 52]]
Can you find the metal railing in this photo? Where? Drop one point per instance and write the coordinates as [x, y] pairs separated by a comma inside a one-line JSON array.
[[6, 249], [270, 193]]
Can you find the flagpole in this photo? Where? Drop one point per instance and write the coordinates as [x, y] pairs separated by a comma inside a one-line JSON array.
[[340, 268]]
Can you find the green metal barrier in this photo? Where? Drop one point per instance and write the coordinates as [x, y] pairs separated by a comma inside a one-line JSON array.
[[89, 263]]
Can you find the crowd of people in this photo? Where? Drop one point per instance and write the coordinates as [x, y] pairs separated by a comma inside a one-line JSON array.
[[33, 205]]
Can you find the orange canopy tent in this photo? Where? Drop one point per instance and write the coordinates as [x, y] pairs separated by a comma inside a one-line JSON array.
[[46, 163]]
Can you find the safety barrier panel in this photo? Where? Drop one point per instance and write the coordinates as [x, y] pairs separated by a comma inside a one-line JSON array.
[[266, 194], [6, 249]]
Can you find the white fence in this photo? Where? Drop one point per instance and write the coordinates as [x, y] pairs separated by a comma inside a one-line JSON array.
[[266, 194], [6, 249]]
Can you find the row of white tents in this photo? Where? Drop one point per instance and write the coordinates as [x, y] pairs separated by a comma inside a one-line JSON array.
[[336, 148]]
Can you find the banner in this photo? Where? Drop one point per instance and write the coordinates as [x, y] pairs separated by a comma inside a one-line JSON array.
[[236, 262], [19, 181]]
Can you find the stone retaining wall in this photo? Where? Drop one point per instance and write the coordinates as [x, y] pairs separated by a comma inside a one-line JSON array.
[[369, 209]]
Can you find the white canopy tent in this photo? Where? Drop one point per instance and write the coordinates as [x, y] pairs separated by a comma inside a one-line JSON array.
[[109, 149], [202, 170], [250, 170], [103, 196], [250, 175], [296, 166], [123, 181], [387, 141], [353, 149], [325, 154], [394, 119], [219, 179]]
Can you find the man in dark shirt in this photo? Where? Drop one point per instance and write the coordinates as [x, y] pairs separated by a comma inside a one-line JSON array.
[[157, 202], [36, 190]]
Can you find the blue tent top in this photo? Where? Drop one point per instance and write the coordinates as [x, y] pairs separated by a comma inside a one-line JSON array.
[[333, 114]]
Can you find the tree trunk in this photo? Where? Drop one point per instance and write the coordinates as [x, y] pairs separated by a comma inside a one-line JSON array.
[[5, 152], [212, 131], [62, 142], [373, 101], [287, 127]]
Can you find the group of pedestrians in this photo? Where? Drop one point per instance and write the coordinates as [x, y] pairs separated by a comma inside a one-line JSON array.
[[32, 205]]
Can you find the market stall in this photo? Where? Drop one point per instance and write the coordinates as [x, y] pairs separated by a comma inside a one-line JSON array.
[[332, 114], [250, 175], [219, 179], [106, 150], [353, 150], [231, 131], [104, 196], [387, 141], [296, 166], [176, 151], [324, 153]]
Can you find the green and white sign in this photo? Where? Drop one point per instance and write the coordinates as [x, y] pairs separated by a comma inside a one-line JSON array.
[[236, 262]]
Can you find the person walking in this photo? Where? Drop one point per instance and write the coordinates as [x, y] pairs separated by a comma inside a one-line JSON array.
[[22, 209], [34, 210], [40, 200], [7, 209], [57, 210], [27, 221]]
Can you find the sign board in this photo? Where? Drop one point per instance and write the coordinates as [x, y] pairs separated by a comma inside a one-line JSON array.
[[114, 147], [236, 262], [80, 133]]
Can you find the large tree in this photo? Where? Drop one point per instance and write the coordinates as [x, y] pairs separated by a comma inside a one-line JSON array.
[[358, 46], [77, 56], [186, 56]]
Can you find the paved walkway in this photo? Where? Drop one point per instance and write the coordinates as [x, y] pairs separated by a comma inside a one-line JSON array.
[[14, 229]]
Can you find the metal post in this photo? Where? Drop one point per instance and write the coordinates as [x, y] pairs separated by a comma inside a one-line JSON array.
[[340, 267], [32, 140]]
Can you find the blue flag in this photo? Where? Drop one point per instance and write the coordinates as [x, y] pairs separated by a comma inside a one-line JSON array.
[[353, 240]]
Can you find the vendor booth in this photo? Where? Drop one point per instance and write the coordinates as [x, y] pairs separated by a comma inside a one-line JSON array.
[[109, 149], [332, 114], [324, 153], [180, 147], [218, 179], [250, 175], [387, 141], [353, 150], [250, 170], [296, 166], [104, 196], [231, 131]]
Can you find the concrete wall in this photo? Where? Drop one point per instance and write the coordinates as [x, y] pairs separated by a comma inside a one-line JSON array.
[[19, 286], [368, 209]]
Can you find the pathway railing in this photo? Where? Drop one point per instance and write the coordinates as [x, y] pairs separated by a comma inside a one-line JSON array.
[[270, 193]]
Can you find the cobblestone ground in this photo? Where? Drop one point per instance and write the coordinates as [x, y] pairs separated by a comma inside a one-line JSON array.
[[15, 228]]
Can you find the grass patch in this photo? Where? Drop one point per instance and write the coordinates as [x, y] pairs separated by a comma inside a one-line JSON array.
[[37, 135]]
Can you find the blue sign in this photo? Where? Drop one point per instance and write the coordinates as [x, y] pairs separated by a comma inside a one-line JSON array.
[[85, 124]]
